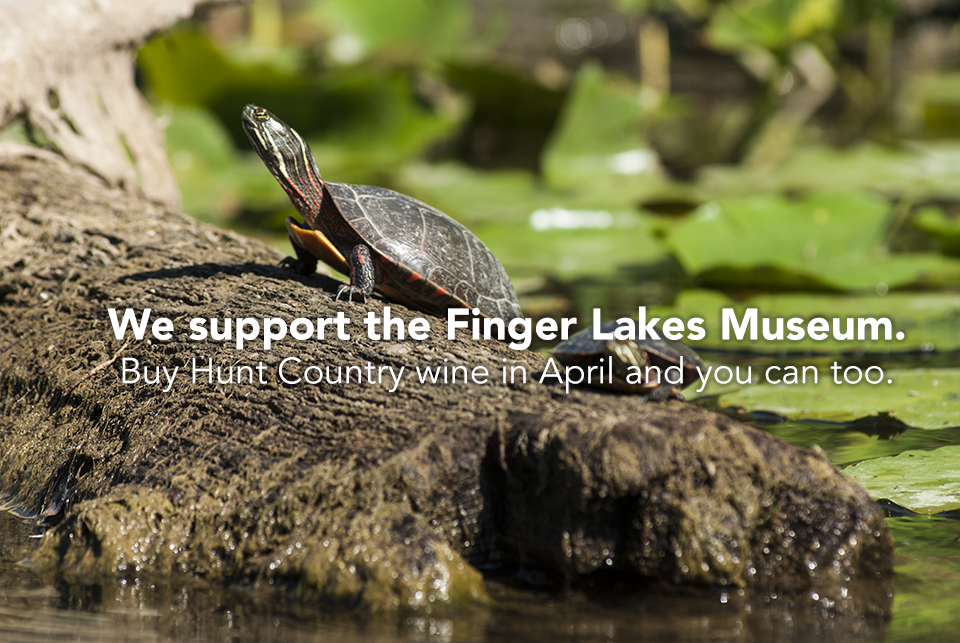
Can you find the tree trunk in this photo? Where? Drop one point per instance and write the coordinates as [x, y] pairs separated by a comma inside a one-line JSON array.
[[66, 66]]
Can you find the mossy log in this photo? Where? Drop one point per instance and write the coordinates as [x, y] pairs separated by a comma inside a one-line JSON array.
[[350, 494]]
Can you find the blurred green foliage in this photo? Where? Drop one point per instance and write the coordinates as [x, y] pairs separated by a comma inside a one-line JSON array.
[[825, 241], [774, 26], [415, 31]]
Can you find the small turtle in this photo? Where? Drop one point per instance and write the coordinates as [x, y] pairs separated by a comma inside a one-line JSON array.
[[401, 247], [630, 359]]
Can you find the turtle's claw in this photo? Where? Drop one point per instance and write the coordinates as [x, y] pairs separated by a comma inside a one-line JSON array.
[[350, 290]]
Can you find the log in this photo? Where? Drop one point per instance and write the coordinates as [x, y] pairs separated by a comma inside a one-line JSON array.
[[66, 66], [351, 494]]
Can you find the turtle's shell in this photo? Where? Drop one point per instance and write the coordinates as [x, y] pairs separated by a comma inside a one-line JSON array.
[[424, 256], [583, 350]]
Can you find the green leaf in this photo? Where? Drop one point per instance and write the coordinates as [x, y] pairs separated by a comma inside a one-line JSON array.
[[924, 170], [932, 221], [925, 481], [361, 122], [411, 30], [871, 437], [827, 241], [574, 243], [775, 26], [374, 122], [475, 197], [922, 398], [184, 67], [600, 137]]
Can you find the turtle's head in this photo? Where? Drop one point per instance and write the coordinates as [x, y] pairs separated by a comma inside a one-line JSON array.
[[287, 156]]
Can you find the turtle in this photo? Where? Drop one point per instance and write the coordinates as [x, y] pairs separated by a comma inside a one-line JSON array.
[[585, 351], [385, 241]]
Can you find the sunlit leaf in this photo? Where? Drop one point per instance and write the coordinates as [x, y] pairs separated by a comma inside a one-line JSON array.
[[410, 30], [923, 170], [775, 26], [920, 398], [925, 481], [827, 241], [600, 136]]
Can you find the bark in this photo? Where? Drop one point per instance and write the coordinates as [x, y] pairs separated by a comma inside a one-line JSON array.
[[67, 67], [349, 493]]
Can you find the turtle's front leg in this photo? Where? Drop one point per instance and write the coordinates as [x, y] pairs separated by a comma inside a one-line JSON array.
[[362, 273]]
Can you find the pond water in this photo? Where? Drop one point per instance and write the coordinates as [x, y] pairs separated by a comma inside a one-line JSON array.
[[925, 604]]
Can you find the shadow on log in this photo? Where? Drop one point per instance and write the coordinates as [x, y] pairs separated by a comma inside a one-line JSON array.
[[347, 493]]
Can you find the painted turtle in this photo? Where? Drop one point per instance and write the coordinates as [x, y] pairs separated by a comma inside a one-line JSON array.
[[401, 247], [585, 351]]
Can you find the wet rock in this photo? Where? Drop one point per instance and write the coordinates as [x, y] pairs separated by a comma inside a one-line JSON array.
[[692, 497]]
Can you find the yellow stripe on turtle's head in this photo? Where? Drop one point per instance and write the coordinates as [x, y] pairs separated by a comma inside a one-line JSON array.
[[287, 156]]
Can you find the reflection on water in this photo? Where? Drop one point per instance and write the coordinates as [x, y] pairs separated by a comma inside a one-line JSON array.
[[35, 609], [926, 604], [847, 443]]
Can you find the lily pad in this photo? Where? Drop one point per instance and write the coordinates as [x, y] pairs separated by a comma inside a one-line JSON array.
[[922, 398], [932, 221], [600, 138], [922, 170], [827, 241], [473, 196], [850, 443], [925, 481]]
